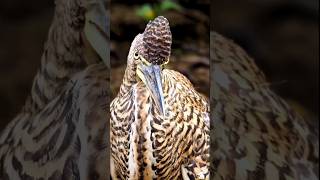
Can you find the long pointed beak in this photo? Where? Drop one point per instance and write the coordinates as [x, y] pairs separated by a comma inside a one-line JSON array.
[[151, 76]]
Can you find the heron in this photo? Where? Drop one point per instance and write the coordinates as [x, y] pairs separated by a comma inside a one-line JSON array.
[[159, 122]]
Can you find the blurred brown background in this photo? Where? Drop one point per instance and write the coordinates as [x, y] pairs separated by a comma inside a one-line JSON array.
[[283, 38]]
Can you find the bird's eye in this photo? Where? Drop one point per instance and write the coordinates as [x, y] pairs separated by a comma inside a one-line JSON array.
[[136, 55], [166, 61]]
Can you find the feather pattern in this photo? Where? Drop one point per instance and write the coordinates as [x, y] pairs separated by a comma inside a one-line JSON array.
[[146, 144]]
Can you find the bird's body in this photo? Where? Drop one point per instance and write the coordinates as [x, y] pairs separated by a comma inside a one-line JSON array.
[[256, 134], [149, 144], [152, 143]]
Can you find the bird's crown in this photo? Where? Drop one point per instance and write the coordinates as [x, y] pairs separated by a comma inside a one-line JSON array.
[[157, 41]]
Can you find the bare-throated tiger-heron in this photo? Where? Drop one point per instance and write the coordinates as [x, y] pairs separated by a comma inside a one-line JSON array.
[[159, 122]]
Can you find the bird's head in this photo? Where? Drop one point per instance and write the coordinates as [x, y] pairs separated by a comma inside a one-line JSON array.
[[148, 53]]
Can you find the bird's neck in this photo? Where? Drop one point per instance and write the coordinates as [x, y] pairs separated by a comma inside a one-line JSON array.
[[129, 79]]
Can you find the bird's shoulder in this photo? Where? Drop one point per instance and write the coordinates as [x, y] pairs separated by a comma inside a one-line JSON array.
[[183, 88], [176, 77], [192, 106]]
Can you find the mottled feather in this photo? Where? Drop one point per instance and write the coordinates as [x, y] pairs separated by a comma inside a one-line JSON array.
[[146, 144]]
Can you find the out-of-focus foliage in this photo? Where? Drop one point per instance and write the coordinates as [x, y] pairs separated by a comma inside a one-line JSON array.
[[149, 12]]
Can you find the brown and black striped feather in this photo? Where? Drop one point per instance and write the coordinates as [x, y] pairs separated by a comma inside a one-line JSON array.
[[160, 146]]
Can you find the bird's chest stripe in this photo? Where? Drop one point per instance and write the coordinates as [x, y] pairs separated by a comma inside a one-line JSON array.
[[141, 151]]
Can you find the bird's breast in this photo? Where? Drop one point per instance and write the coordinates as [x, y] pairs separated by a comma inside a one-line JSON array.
[[151, 140], [141, 156]]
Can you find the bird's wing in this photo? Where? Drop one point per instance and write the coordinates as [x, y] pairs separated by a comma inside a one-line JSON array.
[[191, 110], [256, 134], [68, 139]]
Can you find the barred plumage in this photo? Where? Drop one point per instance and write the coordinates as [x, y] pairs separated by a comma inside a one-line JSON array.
[[148, 143], [157, 41]]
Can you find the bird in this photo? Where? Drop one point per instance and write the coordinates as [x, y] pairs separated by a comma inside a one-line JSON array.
[[159, 126], [62, 131], [255, 133]]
